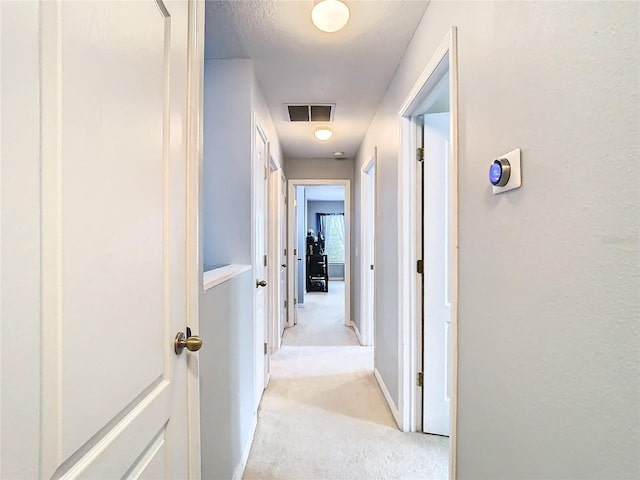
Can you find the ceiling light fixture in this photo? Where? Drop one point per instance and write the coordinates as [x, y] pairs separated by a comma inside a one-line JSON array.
[[330, 15], [323, 133], [338, 154]]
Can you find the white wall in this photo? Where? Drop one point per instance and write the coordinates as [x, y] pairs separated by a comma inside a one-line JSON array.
[[319, 168], [231, 96], [549, 378], [227, 162], [226, 376], [265, 120]]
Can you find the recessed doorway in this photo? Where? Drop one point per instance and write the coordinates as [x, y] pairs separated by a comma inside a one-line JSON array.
[[319, 241], [428, 241]]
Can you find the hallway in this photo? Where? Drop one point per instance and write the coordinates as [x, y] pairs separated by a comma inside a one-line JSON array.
[[323, 415], [321, 320]]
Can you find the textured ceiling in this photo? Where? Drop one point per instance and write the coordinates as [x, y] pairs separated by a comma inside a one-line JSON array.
[[297, 63]]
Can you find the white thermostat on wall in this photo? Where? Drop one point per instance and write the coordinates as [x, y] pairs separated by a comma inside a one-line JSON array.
[[504, 173]]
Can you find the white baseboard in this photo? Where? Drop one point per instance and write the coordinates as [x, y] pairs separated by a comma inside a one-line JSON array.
[[242, 464], [358, 334], [387, 396]]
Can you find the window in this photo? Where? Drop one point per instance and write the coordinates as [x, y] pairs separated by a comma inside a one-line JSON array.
[[332, 227]]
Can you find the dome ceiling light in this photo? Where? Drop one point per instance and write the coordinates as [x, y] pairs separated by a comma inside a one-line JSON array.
[[330, 15], [323, 133]]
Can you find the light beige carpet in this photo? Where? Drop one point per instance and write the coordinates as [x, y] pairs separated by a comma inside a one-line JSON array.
[[321, 320], [323, 415]]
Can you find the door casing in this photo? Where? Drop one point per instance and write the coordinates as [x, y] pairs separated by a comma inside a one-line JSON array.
[[409, 243], [260, 271], [367, 251], [276, 245], [292, 260]]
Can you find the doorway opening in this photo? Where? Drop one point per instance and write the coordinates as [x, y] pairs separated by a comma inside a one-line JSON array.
[[428, 240], [319, 240]]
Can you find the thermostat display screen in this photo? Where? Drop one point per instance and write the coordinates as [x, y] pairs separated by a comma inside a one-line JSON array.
[[495, 172], [504, 172]]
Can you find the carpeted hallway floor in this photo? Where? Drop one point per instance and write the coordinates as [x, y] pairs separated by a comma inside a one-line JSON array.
[[323, 415]]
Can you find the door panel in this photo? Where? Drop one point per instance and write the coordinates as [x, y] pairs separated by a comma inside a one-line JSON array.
[[113, 235], [368, 255], [282, 225], [436, 255], [260, 156], [301, 236]]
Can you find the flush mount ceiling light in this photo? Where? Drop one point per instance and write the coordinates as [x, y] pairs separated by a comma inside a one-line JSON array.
[[338, 154], [330, 15], [323, 133]]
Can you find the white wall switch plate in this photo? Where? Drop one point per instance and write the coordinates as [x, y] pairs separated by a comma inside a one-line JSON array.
[[515, 176]]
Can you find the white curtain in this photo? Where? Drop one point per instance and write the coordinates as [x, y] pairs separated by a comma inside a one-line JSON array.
[[332, 226]]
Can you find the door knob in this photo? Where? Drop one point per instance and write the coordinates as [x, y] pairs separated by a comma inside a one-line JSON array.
[[284, 265], [192, 343], [261, 283]]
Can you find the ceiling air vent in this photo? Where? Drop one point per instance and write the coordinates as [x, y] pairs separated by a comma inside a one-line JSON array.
[[310, 113]]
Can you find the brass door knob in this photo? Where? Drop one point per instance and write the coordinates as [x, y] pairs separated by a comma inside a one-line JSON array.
[[192, 343], [261, 283]]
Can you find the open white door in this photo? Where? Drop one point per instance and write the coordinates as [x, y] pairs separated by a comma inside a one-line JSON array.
[[103, 198], [437, 274], [301, 248], [367, 251], [259, 262], [282, 258], [295, 252]]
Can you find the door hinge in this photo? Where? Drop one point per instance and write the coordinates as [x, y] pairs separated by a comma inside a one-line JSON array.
[[295, 252], [420, 154], [265, 173], [265, 260], [420, 266], [420, 379], [295, 203], [285, 304], [285, 252], [265, 348], [295, 301]]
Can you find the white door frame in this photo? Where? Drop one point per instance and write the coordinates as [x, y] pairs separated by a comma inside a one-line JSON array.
[[281, 258], [274, 248], [408, 239], [292, 242], [261, 379], [367, 254], [194, 267]]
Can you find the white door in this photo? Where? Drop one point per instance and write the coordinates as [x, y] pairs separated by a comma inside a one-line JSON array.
[[301, 247], [436, 255], [367, 246], [282, 225], [296, 253], [260, 270], [109, 207]]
